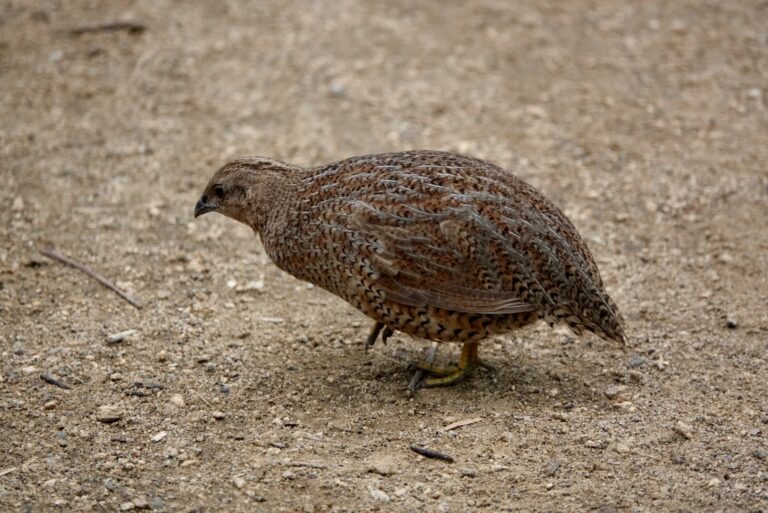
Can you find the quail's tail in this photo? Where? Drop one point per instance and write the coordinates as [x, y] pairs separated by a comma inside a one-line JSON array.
[[595, 312]]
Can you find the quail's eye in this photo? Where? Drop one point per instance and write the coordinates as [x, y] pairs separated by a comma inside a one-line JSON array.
[[218, 191]]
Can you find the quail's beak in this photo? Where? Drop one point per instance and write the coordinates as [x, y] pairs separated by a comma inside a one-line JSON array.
[[203, 206]]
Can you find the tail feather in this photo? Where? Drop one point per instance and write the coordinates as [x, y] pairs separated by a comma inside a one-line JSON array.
[[600, 316]]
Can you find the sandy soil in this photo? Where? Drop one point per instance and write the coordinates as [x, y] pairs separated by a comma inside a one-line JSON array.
[[243, 389]]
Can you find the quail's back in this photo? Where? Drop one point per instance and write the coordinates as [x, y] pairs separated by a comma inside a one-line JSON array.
[[434, 244]]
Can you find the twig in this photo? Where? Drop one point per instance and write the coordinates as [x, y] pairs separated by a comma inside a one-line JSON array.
[[415, 383], [53, 381], [119, 337], [203, 399], [7, 471], [52, 253], [136, 393], [461, 423], [309, 464], [131, 27], [429, 453], [148, 384]]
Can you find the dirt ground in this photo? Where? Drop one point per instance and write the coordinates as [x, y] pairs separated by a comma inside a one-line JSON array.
[[243, 389]]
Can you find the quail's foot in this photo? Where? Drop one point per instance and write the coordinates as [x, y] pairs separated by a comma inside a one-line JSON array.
[[446, 376]]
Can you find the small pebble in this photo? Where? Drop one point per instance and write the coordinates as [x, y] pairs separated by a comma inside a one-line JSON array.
[[256, 285], [594, 445], [239, 482], [615, 391], [551, 468], [384, 466], [337, 89], [108, 414], [636, 361], [626, 406], [678, 458], [622, 448], [378, 495], [731, 323], [725, 258], [159, 436], [140, 503], [713, 482], [467, 472], [760, 454], [51, 404], [683, 429], [127, 506], [178, 400], [163, 294], [218, 415]]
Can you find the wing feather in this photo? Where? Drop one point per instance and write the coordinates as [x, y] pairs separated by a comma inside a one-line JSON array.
[[426, 259]]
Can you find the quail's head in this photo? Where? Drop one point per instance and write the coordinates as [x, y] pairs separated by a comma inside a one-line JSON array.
[[245, 189]]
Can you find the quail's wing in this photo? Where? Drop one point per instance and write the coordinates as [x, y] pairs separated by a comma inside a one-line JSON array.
[[447, 259]]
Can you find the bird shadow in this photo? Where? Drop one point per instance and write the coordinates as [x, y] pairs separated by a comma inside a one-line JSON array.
[[554, 376]]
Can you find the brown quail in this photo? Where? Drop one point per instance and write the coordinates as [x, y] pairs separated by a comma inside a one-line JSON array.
[[437, 245]]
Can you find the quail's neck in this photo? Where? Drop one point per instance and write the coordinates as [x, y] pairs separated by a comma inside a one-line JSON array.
[[273, 200]]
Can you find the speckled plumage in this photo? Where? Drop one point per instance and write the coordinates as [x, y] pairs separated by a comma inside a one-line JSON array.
[[434, 244]]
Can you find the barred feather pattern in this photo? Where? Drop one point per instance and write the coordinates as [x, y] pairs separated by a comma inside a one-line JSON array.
[[434, 244]]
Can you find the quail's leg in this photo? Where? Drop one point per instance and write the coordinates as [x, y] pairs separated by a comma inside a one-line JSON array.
[[371, 340], [373, 335], [452, 375]]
